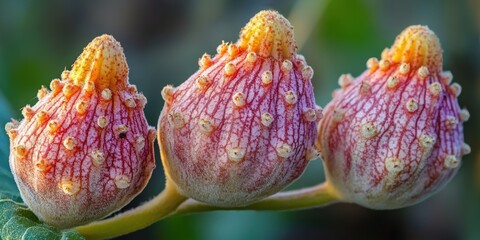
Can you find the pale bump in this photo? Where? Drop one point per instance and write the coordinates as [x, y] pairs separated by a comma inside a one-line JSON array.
[[230, 69], [251, 57], [176, 119], [42, 92], [447, 77], [56, 86], [267, 77], [307, 73], [102, 121], [69, 143], [392, 82], [286, 66], [451, 122], [222, 48], [451, 161], [82, 106], [42, 165], [130, 102], [121, 130], [456, 89], [466, 149], [232, 50], [205, 61], [372, 63], [338, 114], [139, 143], [98, 157], [393, 165], [167, 93], [404, 68], [206, 125], [266, 119], [427, 142], [435, 89], [42, 117], [122, 181], [20, 151], [411, 105], [368, 131], [384, 64], [310, 115], [68, 90], [422, 72], [312, 153], [464, 115], [28, 112], [345, 79], [284, 150], [290, 97], [236, 154], [239, 99], [365, 88], [70, 187], [203, 82]]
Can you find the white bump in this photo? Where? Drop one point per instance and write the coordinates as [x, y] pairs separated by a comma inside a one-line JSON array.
[[464, 115], [310, 115], [141, 99], [290, 97], [122, 181], [98, 157], [267, 119], [206, 125], [365, 88], [28, 112], [232, 50], [318, 112], [176, 119], [69, 187], [422, 72], [411, 105], [102, 121], [284, 150], [9, 126], [68, 90], [451, 161], [404, 68], [267, 77], [89, 86], [139, 143], [392, 82], [451, 122], [307, 73], [167, 93], [239, 99], [69, 143], [384, 64], [372, 63], [235, 154], [42, 117], [82, 106], [393, 165], [447, 77], [65, 74], [466, 149], [338, 114], [286, 65], [222, 48], [251, 57], [20, 151], [42, 92], [435, 89], [106, 94], [205, 61], [456, 89], [312, 154], [42, 165], [345, 79], [56, 86], [230, 69], [368, 130], [130, 102], [427, 142]]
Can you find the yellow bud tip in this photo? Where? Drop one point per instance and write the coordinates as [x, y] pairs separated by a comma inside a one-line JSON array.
[[103, 63], [268, 34], [418, 46]]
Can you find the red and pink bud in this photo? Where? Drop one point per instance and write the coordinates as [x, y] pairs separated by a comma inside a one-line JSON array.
[[394, 136], [242, 127], [84, 149]]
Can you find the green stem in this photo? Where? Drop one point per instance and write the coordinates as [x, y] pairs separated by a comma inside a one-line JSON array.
[[315, 196], [138, 218]]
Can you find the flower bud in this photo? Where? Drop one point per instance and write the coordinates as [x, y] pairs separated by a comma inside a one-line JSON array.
[[394, 136], [242, 127], [84, 149]]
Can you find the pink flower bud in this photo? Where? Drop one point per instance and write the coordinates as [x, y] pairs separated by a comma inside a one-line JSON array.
[[394, 136], [84, 149], [243, 127]]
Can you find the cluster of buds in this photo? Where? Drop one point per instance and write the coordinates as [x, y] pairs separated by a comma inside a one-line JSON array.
[[243, 126], [394, 136], [84, 149]]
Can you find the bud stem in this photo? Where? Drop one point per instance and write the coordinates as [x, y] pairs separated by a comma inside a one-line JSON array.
[[135, 219], [316, 196]]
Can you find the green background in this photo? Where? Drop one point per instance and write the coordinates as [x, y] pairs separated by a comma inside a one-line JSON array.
[[163, 41]]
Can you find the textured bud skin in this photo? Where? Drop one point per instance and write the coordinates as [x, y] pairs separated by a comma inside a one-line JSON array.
[[248, 133], [394, 136], [84, 149]]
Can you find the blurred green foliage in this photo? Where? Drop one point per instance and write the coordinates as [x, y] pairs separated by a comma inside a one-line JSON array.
[[163, 41]]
